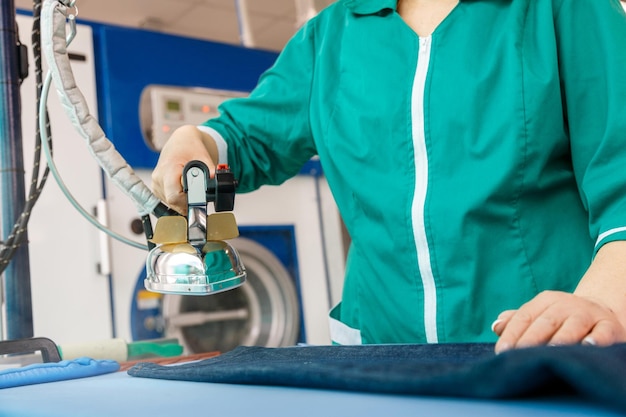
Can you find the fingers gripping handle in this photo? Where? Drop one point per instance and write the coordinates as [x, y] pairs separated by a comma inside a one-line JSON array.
[[202, 189]]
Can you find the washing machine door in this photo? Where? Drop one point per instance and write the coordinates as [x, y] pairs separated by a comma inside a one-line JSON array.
[[263, 312]]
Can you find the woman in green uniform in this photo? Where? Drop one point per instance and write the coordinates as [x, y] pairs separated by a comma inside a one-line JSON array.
[[477, 153]]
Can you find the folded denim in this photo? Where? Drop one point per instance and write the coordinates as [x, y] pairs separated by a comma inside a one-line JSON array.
[[596, 374]]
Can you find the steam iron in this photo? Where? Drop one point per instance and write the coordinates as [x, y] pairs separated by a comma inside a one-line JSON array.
[[191, 256]]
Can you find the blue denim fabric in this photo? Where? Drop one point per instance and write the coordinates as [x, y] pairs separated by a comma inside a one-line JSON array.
[[461, 370]]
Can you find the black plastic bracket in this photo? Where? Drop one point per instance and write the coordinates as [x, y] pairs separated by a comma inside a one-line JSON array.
[[48, 349]]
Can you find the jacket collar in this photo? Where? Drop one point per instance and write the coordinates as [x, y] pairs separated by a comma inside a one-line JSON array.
[[369, 6]]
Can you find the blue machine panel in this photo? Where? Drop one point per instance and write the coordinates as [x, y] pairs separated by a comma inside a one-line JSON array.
[[127, 60]]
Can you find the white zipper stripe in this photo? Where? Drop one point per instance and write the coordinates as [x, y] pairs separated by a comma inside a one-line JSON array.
[[421, 185]]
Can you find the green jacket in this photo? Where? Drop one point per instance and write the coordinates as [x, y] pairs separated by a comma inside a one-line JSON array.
[[473, 168]]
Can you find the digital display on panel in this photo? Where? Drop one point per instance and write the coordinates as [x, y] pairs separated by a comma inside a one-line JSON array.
[[173, 105]]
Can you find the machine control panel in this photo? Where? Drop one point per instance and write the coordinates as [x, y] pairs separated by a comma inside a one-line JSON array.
[[165, 108]]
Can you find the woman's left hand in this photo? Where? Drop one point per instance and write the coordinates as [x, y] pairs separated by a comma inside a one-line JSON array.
[[558, 318]]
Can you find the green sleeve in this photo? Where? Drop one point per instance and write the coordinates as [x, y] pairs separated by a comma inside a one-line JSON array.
[[592, 55], [268, 133]]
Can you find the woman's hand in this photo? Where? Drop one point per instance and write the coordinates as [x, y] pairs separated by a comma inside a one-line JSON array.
[[558, 318], [187, 143], [594, 314]]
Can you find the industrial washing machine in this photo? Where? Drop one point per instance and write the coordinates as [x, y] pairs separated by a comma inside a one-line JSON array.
[[264, 312], [70, 290], [292, 241]]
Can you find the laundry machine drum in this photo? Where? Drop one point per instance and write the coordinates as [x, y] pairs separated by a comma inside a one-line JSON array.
[[264, 311]]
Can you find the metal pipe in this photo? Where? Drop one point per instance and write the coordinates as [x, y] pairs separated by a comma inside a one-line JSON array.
[[243, 18], [16, 278]]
